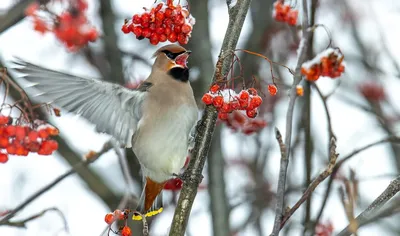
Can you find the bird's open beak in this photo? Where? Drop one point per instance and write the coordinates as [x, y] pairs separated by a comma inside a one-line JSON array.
[[182, 59]]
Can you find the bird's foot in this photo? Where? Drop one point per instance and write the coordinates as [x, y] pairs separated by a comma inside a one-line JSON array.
[[186, 177]]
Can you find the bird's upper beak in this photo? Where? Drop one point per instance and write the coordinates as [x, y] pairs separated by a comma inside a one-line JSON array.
[[182, 59]]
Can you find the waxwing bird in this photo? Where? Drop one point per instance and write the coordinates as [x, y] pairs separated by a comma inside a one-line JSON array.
[[155, 119]]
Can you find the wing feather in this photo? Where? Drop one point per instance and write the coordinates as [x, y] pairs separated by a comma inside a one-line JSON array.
[[112, 108]]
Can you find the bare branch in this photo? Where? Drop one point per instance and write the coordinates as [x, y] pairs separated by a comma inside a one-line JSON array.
[[304, 44], [385, 196], [93, 157], [22, 223], [314, 184], [205, 127]]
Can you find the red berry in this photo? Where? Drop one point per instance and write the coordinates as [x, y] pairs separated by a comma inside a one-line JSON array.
[[172, 37], [226, 107], [252, 91], [125, 28], [21, 151], [207, 99], [154, 39], [162, 38], [179, 20], [10, 130], [146, 33], [168, 22], [218, 101], [136, 19], [92, 35], [244, 103], [256, 101], [235, 105], [3, 158], [126, 231], [160, 16], [158, 7], [214, 88], [4, 142], [168, 13], [137, 30], [33, 136], [272, 89], [159, 30], [152, 27], [20, 132], [11, 149], [177, 29], [52, 131], [182, 39], [222, 115], [109, 218], [145, 17], [43, 133], [251, 113], [167, 31], [119, 214], [4, 120], [244, 95], [186, 28]]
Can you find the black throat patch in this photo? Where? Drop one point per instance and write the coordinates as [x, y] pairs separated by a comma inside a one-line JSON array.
[[178, 73]]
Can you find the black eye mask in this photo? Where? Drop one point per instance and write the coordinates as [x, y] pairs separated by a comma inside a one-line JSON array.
[[172, 55]]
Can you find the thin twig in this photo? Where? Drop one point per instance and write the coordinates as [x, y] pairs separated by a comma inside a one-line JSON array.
[[385, 196], [289, 120], [328, 116], [22, 223], [314, 184], [341, 162], [93, 157]]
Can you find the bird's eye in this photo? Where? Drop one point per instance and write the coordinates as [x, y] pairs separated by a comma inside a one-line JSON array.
[[170, 55]]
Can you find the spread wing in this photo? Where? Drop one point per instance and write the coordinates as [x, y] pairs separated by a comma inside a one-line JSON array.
[[112, 108]]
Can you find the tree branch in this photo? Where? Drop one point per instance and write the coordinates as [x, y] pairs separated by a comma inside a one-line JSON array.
[[90, 159], [390, 191], [205, 127], [111, 50], [304, 44]]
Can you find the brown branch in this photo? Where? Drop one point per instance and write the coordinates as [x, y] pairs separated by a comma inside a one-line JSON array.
[[385, 196], [111, 50], [107, 146], [314, 184], [340, 163], [22, 223], [304, 44], [205, 127]]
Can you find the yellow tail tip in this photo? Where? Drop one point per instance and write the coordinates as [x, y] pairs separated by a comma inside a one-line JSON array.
[[148, 214]]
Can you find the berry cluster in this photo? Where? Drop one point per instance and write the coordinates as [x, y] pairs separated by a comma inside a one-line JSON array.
[[119, 215], [116, 215], [226, 101], [327, 63], [160, 23], [372, 91], [71, 27], [239, 122], [324, 229], [21, 140], [284, 13]]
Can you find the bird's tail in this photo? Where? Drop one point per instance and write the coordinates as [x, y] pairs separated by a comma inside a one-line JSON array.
[[151, 201]]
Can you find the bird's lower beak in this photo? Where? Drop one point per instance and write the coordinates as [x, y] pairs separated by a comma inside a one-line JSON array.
[[182, 59]]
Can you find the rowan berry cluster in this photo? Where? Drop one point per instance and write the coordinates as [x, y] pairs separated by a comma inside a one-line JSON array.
[[119, 215], [226, 101], [327, 63], [324, 229], [372, 91], [162, 22], [284, 13], [71, 27], [239, 122], [21, 140]]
